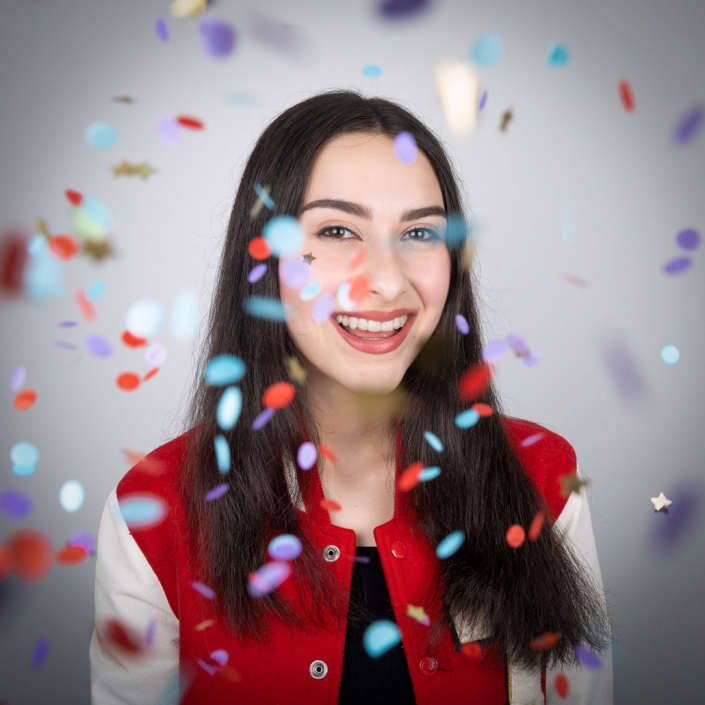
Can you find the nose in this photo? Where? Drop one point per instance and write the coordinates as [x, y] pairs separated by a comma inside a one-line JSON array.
[[384, 268]]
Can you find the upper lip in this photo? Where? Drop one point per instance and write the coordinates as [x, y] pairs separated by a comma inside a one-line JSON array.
[[380, 316]]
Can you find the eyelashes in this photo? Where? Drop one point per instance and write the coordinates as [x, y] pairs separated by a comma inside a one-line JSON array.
[[326, 234]]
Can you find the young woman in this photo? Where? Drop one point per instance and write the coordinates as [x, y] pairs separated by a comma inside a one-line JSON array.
[[374, 367]]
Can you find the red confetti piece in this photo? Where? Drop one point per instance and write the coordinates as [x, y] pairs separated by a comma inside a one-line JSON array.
[[471, 650], [25, 399], [330, 505], [357, 259], [515, 536], [545, 641], [85, 306], [536, 526], [474, 381], [150, 374], [483, 409], [279, 395], [561, 685], [626, 96], [359, 289], [132, 341], [74, 197], [259, 248], [327, 452], [63, 246], [122, 638], [128, 381], [191, 123], [71, 555], [410, 477], [578, 281], [33, 554], [13, 260]]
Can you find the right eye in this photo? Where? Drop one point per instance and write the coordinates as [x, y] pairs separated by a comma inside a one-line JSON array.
[[335, 233]]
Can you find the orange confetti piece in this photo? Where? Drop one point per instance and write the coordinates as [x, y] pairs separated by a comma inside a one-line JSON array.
[[204, 624], [472, 650], [259, 248], [626, 96], [536, 526], [189, 122], [74, 197], [578, 281], [230, 673], [279, 395], [63, 246], [128, 381], [330, 505], [132, 456], [410, 477], [25, 399], [71, 555], [33, 554], [545, 641], [561, 685], [357, 259], [151, 466], [327, 452], [359, 289], [85, 306], [132, 341], [483, 409], [515, 535], [150, 374], [474, 381]]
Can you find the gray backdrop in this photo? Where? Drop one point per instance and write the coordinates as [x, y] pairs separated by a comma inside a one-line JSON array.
[[571, 144]]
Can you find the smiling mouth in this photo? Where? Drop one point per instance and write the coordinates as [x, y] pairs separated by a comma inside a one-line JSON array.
[[368, 329]]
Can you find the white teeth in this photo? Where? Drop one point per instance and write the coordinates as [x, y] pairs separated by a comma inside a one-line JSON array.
[[352, 322], [345, 320], [373, 326], [362, 323], [339, 318], [387, 325]]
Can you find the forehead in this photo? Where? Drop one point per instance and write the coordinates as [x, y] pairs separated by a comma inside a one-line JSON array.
[[363, 167]]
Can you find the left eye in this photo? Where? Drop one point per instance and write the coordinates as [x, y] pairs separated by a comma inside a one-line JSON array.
[[423, 234]]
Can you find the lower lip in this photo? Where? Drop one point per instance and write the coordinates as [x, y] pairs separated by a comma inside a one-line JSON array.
[[375, 347]]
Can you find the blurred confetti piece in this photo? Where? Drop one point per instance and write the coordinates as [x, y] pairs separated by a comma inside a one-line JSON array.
[[168, 130], [661, 502], [330, 505], [457, 86], [268, 578], [216, 492], [519, 258], [98, 346], [434, 441], [322, 308], [25, 399], [39, 653], [530, 440], [256, 273], [343, 298], [310, 291], [670, 354], [483, 100], [450, 544], [259, 248], [217, 38], [418, 614], [515, 536], [83, 540], [689, 125], [326, 452], [71, 555], [128, 381], [571, 483], [400, 9], [222, 454], [132, 341], [494, 350], [284, 548], [360, 288], [149, 633], [204, 590], [142, 510], [190, 123], [15, 504], [74, 197], [467, 419], [676, 522], [266, 308], [622, 368], [100, 135], [474, 382], [429, 474], [372, 71], [488, 49], [67, 324], [462, 324], [626, 96], [204, 625], [263, 419], [536, 526], [688, 239], [587, 657], [296, 371], [155, 355], [577, 281], [85, 306], [284, 235], [380, 637], [357, 260], [95, 291], [263, 195], [17, 378], [224, 369], [64, 247], [71, 495], [678, 265], [145, 318], [472, 650], [229, 408], [561, 685], [410, 477], [66, 346], [185, 315], [294, 272], [483, 409], [121, 638], [544, 641], [162, 29], [557, 55], [243, 99], [306, 455], [24, 455], [33, 554], [150, 374], [278, 395], [405, 149], [187, 8]]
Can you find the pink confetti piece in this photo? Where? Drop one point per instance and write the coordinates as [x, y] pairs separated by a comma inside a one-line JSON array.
[[530, 440], [203, 589]]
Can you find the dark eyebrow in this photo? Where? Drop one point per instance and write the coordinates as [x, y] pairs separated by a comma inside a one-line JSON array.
[[364, 212]]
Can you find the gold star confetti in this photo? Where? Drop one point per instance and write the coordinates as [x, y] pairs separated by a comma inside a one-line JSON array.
[[661, 502], [571, 483], [507, 117], [43, 228], [309, 257], [296, 371], [123, 99], [126, 169], [97, 250], [187, 8], [418, 614]]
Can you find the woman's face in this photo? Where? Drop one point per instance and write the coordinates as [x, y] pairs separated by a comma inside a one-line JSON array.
[[364, 205]]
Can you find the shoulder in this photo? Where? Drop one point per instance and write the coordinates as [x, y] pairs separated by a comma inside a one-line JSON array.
[[545, 456]]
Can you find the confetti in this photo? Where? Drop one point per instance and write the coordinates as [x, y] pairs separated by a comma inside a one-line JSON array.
[[190, 123], [187, 8], [100, 135], [380, 637], [360, 288], [450, 544], [557, 55], [483, 100], [467, 419], [571, 483], [204, 590], [535, 527], [310, 291], [278, 395], [32, 553], [661, 502], [561, 685], [306, 455], [185, 315], [162, 29], [689, 125], [259, 248], [217, 38], [125, 168], [519, 258], [507, 117], [263, 195], [24, 457], [405, 149], [84, 541], [263, 419], [142, 510], [15, 504], [474, 382], [222, 454], [66, 346], [217, 491], [322, 308], [71, 495], [515, 536], [121, 638], [284, 235], [268, 578], [342, 296], [67, 324], [98, 346], [670, 354], [128, 381], [85, 306], [308, 257], [456, 231], [372, 71], [626, 96], [296, 370], [64, 247], [155, 355], [418, 614], [284, 547], [168, 130], [688, 239], [483, 409], [229, 408], [295, 272], [545, 641], [204, 625], [429, 474], [95, 291], [256, 273], [39, 653], [223, 370], [399, 9], [132, 341], [330, 505], [71, 555], [587, 657], [677, 265], [488, 49], [410, 477], [462, 323], [326, 452], [264, 307], [472, 650], [434, 441], [457, 86], [25, 399], [17, 378], [577, 281], [150, 374], [145, 318], [149, 633], [243, 99]]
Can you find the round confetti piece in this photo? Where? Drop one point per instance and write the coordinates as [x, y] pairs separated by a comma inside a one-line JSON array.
[[256, 273], [410, 477], [268, 578], [518, 344], [626, 95], [557, 55], [95, 291], [670, 354], [100, 135], [98, 346], [689, 125], [688, 239], [259, 248], [372, 71], [217, 38], [168, 130], [145, 318], [494, 350], [545, 641], [128, 381], [39, 653], [142, 510], [474, 381], [450, 544], [71, 495], [25, 399], [306, 455], [467, 419], [155, 355], [37, 245], [222, 454], [220, 656], [71, 555], [359, 288], [326, 452], [23, 470], [488, 49], [15, 504], [284, 547], [531, 359], [64, 247], [264, 307], [33, 554], [216, 492], [535, 527], [310, 291], [677, 265], [483, 409], [462, 324], [73, 197], [380, 637], [434, 441], [400, 9], [224, 369], [132, 341], [515, 536], [284, 235], [190, 123], [162, 29], [24, 454], [17, 379], [229, 408], [185, 315], [150, 374], [83, 540], [278, 395], [561, 685], [263, 419], [429, 474], [295, 272], [405, 149], [343, 296], [587, 657], [471, 649], [330, 505]]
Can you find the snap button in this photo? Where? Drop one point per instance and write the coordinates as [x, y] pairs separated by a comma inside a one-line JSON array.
[[428, 666], [318, 669], [330, 553], [398, 549]]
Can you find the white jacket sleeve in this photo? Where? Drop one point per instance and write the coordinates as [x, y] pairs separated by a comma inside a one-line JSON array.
[[126, 588], [587, 686]]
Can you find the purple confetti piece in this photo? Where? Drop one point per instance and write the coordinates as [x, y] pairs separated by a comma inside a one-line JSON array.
[[306, 455], [462, 323], [494, 350], [210, 668], [17, 378], [483, 100], [15, 504], [155, 355], [530, 440], [405, 149], [39, 653], [361, 559], [67, 324], [217, 38], [688, 239], [295, 272], [678, 265], [257, 273], [531, 359], [203, 589], [689, 125], [162, 29], [322, 308], [149, 634], [672, 526], [623, 369], [400, 9], [263, 419], [218, 491], [220, 656], [517, 344], [588, 657], [284, 548], [169, 130], [269, 577], [83, 540], [99, 346], [66, 346]]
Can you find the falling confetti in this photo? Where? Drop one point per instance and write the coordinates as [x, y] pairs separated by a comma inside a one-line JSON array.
[[474, 382], [223, 370], [86, 308], [64, 247], [204, 590], [530, 440], [259, 248], [142, 510], [100, 135], [187, 8], [429, 474], [168, 130], [71, 555], [306, 455], [125, 168], [256, 273], [450, 544], [294, 272], [587, 657], [39, 653], [15, 504], [678, 265], [326, 452], [323, 308], [98, 346], [229, 408], [557, 55], [483, 410], [494, 350], [278, 395], [561, 685], [467, 419], [284, 547], [24, 457], [190, 123], [185, 315], [360, 288], [145, 318], [263, 195], [33, 554], [71, 495], [434, 441], [507, 117], [661, 502], [535, 527], [284, 235], [372, 71], [410, 477], [405, 149], [201, 626], [217, 38], [462, 324], [162, 29], [400, 9], [25, 399], [626, 96], [216, 492], [689, 125], [268, 578], [688, 239], [670, 354], [83, 540], [310, 291], [577, 281], [418, 614], [488, 49], [457, 86], [380, 637], [472, 650], [515, 536], [571, 483], [222, 454], [128, 381], [483, 100], [263, 419], [296, 371], [266, 308], [17, 379], [544, 641], [330, 505]]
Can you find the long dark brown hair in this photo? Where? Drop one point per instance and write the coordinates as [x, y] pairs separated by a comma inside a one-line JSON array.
[[483, 488]]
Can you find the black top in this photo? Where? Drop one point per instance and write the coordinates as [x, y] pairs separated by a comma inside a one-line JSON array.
[[374, 681]]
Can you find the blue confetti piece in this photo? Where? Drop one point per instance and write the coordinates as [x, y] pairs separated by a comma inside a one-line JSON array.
[[24, 454], [310, 291], [380, 636], [519, 258], [264, 197], [224, 369], [95, 290], [39, 653], [488, 49], [689, 125], [142, 511], [372, 71], [557, 55], [100, 135], [450, 544], [243, 99], [429, 474], [284, 235], [222, 454], [467, 419], [456, 231], [434, 441], [264, 307], [229, 408], [670, 354]]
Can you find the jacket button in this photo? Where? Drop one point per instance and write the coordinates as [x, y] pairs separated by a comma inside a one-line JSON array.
[[330, 553], [428, 666], [398, 549], [318, 669]]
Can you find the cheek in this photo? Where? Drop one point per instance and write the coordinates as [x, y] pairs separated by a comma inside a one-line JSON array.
[[432, 282]]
